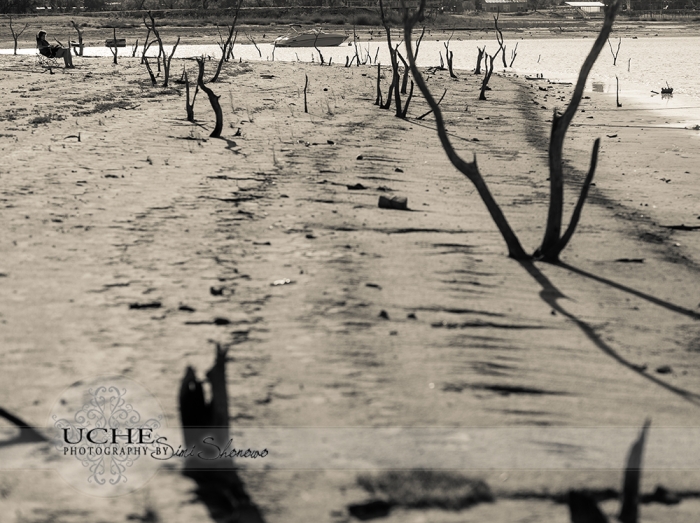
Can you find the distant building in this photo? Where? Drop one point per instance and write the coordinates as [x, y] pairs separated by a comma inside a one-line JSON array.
[[504, 6], [587, 7]]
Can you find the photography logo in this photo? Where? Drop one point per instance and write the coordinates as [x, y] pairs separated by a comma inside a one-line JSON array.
[[105, 431]]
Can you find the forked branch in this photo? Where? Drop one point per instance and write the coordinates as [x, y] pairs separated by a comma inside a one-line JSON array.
[[227, 47], [553, 242], [15, 35]]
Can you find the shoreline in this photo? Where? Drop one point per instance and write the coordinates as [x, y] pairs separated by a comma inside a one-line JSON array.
[[144, 207]]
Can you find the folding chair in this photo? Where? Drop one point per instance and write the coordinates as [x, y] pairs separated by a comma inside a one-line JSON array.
[[47, 62], [46, 56]]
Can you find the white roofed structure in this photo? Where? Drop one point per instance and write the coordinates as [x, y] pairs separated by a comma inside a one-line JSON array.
[[587, 7]]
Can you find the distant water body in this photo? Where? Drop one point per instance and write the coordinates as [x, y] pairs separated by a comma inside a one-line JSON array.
[[643, 64]]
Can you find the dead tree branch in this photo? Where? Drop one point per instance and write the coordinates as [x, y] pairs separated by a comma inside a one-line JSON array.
[[146, 45], [499, 38], [477, 70], [488, 71], [253, 42], [114, 48], [318, 50], [615, 53], [213, 100], [431, 110], [448, 57], [513, 54], [469, 169], [378, 100], [306, 85], [228, 45], [404, 80], [135, 48], [15, 36], [189, 106], [150, 71], [166, 63], [80, 38], [553, 242], [394, 65], [408, 101]]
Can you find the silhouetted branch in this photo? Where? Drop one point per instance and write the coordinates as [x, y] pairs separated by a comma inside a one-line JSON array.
[[227, 48], [213, 100]]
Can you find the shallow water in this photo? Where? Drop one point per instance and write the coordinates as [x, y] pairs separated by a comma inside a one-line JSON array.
[[643, 64]]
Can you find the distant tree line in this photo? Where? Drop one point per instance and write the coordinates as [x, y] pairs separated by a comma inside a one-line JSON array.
[[25, 6]]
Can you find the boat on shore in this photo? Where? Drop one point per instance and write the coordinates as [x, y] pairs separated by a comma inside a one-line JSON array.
[[311, 38]]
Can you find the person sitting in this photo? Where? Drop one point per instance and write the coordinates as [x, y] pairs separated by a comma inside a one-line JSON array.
[[53, 51]]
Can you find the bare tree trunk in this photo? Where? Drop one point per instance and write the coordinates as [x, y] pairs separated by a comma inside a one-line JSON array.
[[448, 56], [408, 101], [499, 38], [394, 65], [15, 36], [114, 50], [306, 84], [404, 80], [150, 71], [80, 38], [189, 107], [478, 60], [166, 64], [213, 100], [378, 100], [551, 244], [487, 75]]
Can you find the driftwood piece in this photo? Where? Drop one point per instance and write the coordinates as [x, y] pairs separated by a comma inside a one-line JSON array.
[[213, 100]]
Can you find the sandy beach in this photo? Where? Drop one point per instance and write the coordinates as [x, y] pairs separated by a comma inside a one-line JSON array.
[[417, 318]]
